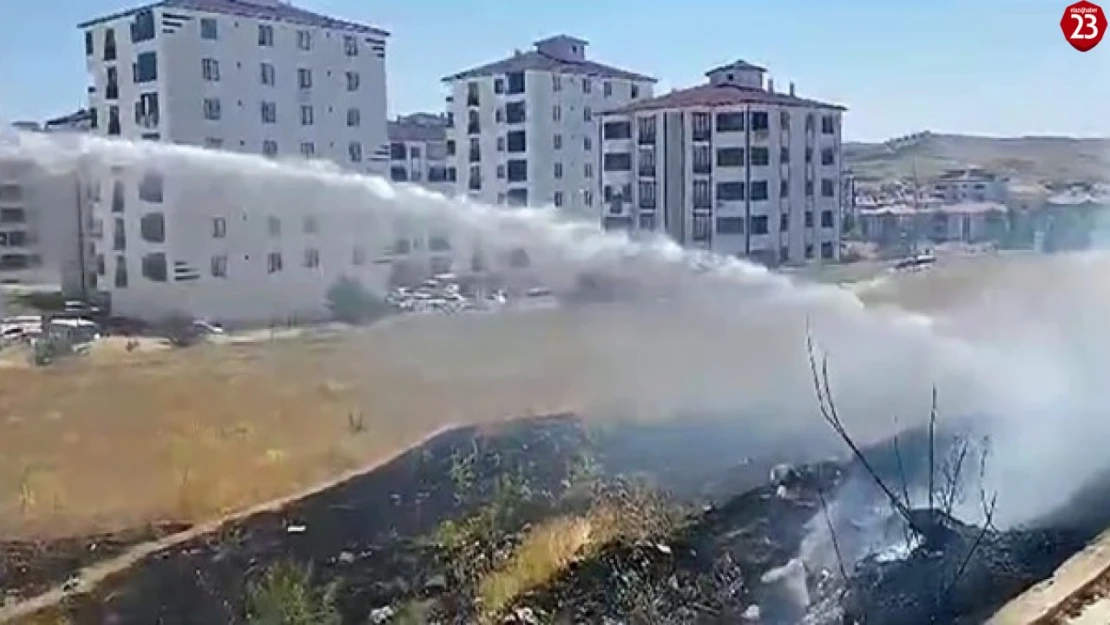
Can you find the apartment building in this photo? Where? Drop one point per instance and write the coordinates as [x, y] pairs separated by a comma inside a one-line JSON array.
[[731, 166], [418, 154], [253, 76], [970, 184], [40, 218], [523, 130]]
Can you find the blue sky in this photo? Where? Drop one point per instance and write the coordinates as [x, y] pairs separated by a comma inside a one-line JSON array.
[[998, 67]]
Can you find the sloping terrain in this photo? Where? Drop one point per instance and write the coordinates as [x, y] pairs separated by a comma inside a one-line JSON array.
[[1046, 159]]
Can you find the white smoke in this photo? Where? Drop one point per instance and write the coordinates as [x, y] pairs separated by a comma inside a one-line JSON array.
[[1024, 342]]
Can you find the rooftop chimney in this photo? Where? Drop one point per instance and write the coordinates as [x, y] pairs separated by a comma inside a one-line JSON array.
[[791, 89], [771, 85]]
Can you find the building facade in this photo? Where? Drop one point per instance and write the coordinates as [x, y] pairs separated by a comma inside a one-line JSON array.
[[252, 76], [418, 154], [971, 184], [41, 218], [523, 130], [731, 166]]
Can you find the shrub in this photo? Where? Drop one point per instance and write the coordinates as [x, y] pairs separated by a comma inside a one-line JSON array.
[[285, 596], [350, 302]]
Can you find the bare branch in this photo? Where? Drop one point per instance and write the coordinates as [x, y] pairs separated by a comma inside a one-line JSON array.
[[932, 444], [974, 546], [832, 535], [952, 470]]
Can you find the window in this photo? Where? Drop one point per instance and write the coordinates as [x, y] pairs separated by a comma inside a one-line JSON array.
[[352, 81], [700, 123], [498, 115], [828, 156], [500, 172], [557, 142], [645, 130], [784, 155], [472, 93], [760, 121], [499, 85], [219, 228], [828, 187], [809, 155], [827, 250], [784, 188], [809, 188], [474, 179], [501, 144], [269, 147], [304, 78], [350, 45], [516, 141], [12, 216], [306, 115], [152, 228], [827, 219], [117, 196], [558, 171], [121, 272], [587, 85], [556, 113], [267, 74], [730, 191], [617, 161], [759, 157], [703, 159], [147, 110], [730, 122], [308, 149], [473, 124], [617, 130], [273, 262], [354, 150], [269, 112], [607, 88], [730, 157], [354, 118], [475, 150], [557, 199], [587, 144], [213, 143], [312, 258], [150, 188], [209, 29], [587, 170], [514, 112], [556, 83], [784, 120], [828, 124], [304, 40], [210, 70], [88, 43], [218, 266], [146, 67], [759, 224], [758, 191], [809, 219], [730, 225], [646, 161], [588, 197], [154, 267], [784, 222], [587, 114], [702, 197], [265, 35], [647, 194], [119, 235], [109, 45], [273, 226], [398, 174], [142, 29], [516, 82], [702, 225], [517, 170]]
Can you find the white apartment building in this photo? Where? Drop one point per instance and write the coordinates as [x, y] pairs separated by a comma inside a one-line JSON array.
[[971, 184], [40, 218], [254, 76], [523, 130], [731, 166], [418, 154]]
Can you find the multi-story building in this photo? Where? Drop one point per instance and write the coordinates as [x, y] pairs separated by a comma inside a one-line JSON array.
[[254, 76], [972, 184], [418, 154], [731, 166], [40, 220], [523, 129]]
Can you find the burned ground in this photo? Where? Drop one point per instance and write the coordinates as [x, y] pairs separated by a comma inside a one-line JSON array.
[[383, 537]]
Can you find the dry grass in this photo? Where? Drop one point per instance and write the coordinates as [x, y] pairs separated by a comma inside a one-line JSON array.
[[553, 545], [191, 434]]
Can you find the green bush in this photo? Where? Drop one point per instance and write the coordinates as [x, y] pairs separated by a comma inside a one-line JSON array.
[[350, 302], [285, 596]]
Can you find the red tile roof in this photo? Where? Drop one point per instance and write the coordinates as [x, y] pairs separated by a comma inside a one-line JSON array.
[[710, 96]]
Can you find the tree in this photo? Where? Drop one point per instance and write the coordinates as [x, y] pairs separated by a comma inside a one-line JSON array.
[[350, 302]]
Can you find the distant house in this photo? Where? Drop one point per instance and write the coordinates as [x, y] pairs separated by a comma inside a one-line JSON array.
[[1074, 220], [971, 184], [898, 225]]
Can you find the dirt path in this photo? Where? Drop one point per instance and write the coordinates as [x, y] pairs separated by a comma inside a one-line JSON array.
[[91, 577]]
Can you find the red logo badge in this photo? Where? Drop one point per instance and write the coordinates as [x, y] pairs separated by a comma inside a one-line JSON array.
[[1083, 24]]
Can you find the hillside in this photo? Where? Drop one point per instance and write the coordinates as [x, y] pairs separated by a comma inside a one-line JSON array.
[[1047, 159]]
